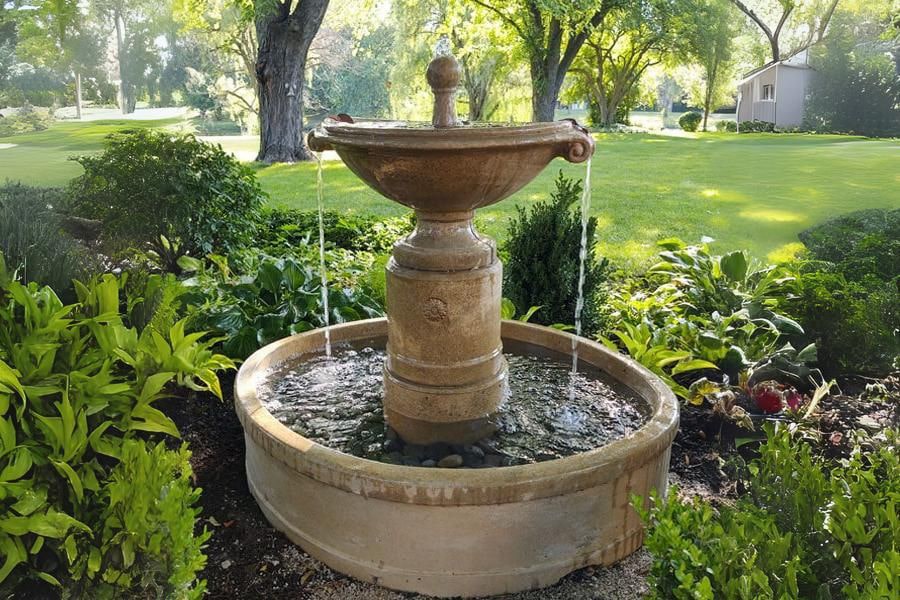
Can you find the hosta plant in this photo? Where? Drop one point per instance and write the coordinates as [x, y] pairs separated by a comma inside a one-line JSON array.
[[78, 383], [277, 297]]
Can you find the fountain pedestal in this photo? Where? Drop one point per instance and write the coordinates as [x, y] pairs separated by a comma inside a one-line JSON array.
[[445, 374]]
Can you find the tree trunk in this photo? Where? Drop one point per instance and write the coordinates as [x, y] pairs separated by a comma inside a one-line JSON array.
[[78, 95], [544, 92], [284, 40], [126, 93]]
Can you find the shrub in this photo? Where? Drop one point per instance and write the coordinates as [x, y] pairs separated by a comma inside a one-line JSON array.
[[269, 300], [756, 126], [285, 229], [543, 246], [690, 121], [726, 125], [830, 534], [853, 324], [32, 240], [25, 121], [77, 389], [861, 243], [173, 192]]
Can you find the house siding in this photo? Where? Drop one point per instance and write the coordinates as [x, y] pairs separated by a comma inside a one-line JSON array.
[[790, 94]]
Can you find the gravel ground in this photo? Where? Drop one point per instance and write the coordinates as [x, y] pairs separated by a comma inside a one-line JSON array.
[[623, 581]]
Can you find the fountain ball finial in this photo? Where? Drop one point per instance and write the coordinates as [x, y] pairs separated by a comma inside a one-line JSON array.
[[443, 76]]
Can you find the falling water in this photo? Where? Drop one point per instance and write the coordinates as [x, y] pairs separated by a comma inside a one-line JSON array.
[[582, 258], [320, 201]]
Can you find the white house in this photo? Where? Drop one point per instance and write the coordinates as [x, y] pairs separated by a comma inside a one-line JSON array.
[[776, 92]]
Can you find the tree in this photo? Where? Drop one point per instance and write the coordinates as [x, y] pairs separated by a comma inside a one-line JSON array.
[[58, 35], [552, 33], [817, 14], [284, 36], [621, 47], [709, 33], [857, 86]]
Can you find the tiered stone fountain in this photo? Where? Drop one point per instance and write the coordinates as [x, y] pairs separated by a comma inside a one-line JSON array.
[[463, 532]]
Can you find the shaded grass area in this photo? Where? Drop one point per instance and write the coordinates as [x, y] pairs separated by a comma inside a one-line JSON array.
[[749, 191]]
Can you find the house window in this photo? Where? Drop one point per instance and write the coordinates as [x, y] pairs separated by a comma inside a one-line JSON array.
[[768, 92]]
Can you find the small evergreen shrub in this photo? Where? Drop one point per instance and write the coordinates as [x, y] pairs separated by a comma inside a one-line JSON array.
[[848, 296], [864, 242], [804, 530], [690, 121], [172, 192], [756, 126], [727, 126], [543, 246], [26, 121], [853, 324], [32, 240]]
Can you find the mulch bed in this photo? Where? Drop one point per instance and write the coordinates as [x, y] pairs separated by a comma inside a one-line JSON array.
[[247, 558]]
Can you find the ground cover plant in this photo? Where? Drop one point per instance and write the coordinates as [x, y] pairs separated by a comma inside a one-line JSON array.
[[804, 529], [87, 501]]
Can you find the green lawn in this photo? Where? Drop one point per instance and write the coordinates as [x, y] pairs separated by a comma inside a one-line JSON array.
[[748, 191]]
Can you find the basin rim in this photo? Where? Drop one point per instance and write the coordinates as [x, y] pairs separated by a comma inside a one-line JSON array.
[[454, 487]]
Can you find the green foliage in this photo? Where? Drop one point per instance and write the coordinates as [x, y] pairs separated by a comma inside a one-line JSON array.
[[76, 383], [32, 240], [856, 89], [728, 126], [272, 299], [690, 121], [543, 246], [25, 121], [148, 517], [355, 78], [756, 126], [284, 230], [695, 311], [861, 243], [173, 192], [830, 534], [853, 324], [848, 294]]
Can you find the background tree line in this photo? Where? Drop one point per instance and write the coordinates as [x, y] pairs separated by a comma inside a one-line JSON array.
[[270, 66]]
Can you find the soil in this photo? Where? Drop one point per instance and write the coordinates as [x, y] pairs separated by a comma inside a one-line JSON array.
[[247, 558]]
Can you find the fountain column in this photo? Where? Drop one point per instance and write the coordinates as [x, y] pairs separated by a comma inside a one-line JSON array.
[[445, 374]]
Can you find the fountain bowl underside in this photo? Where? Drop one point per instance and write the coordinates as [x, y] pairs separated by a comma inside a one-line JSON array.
[[455, 532]]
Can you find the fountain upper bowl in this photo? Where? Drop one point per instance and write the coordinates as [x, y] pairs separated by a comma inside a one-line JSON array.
[[452, 169]]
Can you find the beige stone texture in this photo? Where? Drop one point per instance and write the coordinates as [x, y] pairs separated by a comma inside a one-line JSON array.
[[455, 532]]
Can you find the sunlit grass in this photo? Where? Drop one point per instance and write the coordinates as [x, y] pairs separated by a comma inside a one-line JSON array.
[[749, 191]]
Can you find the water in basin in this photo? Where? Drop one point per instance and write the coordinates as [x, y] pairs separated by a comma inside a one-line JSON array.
[[548, 414]]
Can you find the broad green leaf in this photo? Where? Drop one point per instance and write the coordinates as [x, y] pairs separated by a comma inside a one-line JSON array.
[[14, 552], [693, 365], [69, 473], [734, 265], [18, 465], [30, 500]]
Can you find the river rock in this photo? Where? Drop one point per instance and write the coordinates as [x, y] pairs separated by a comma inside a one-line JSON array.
[[452, 461]]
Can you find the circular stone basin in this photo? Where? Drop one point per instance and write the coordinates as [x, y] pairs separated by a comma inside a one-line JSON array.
[[448, 532]]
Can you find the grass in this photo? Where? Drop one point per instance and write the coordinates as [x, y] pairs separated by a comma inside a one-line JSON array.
[[749, 191]]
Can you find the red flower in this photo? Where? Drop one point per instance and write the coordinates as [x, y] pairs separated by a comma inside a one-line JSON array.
[[768, 397]]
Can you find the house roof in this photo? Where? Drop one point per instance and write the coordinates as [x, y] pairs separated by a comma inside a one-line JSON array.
[[787, 61]]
